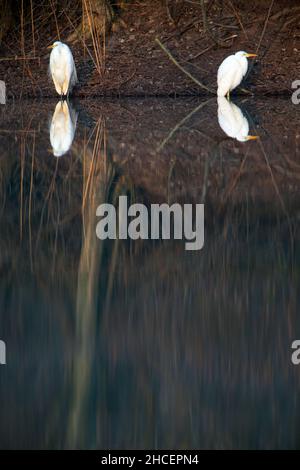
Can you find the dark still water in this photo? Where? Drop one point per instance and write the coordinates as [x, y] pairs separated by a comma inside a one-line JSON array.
[[143, 344]]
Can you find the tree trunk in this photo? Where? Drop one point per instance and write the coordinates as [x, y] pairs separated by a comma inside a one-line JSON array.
[[97, 19]]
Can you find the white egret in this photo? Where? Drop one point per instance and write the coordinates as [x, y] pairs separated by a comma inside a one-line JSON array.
[[232, 121], [62, 68], [62, 128], [232, 71]]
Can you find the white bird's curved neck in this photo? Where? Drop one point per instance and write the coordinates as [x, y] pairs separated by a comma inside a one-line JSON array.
[[244, 64]]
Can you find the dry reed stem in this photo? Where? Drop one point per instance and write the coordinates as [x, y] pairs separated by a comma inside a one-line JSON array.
[[32, 26], [55, 17]]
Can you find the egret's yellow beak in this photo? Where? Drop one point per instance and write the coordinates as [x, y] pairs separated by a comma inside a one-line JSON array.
[[251, 55], [51, 47], [252, 137]]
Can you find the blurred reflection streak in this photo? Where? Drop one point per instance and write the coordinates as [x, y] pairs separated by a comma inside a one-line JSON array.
[[181, 123], [97, 178], [62, 128], [232, 121]]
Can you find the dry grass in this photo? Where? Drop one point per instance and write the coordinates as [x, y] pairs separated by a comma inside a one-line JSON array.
[[97, 32]]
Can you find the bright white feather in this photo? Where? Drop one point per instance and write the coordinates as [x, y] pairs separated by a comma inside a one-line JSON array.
[[62, 68], [232, 71]]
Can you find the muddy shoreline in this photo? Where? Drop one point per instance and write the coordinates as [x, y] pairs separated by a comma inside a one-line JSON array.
[[134, 65]]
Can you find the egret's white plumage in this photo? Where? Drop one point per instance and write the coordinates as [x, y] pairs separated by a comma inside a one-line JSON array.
[[232, 71], [62, 128], [62, 68], [232, 121]]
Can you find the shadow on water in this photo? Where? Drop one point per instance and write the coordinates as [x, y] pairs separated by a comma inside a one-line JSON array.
[[141, 344]]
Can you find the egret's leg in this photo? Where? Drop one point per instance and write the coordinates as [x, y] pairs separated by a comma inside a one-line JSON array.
[[57, 86], [65, 87]]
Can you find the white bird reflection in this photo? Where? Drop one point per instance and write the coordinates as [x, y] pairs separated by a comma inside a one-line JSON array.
[[62, 128], [232, 121]]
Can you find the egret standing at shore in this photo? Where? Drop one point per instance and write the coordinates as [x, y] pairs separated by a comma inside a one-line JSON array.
[[232, 71], [62, 68]]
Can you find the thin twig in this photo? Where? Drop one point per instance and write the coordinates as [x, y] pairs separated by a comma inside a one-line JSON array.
[[238, 18], [32, 27], [195, 80], [265, 26], [261, 36], [19, 58], [55, 17]]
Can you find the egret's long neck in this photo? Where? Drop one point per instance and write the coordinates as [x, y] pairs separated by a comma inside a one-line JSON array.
[[244, 65]]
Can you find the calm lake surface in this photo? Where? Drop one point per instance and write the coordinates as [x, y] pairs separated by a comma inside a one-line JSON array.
[[142, 344]]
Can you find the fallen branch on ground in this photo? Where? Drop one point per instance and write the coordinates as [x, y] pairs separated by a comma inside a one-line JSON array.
[[195, 80]]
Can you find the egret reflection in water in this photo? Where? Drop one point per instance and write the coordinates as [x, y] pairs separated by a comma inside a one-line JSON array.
[[62, 128], [232, 121]]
